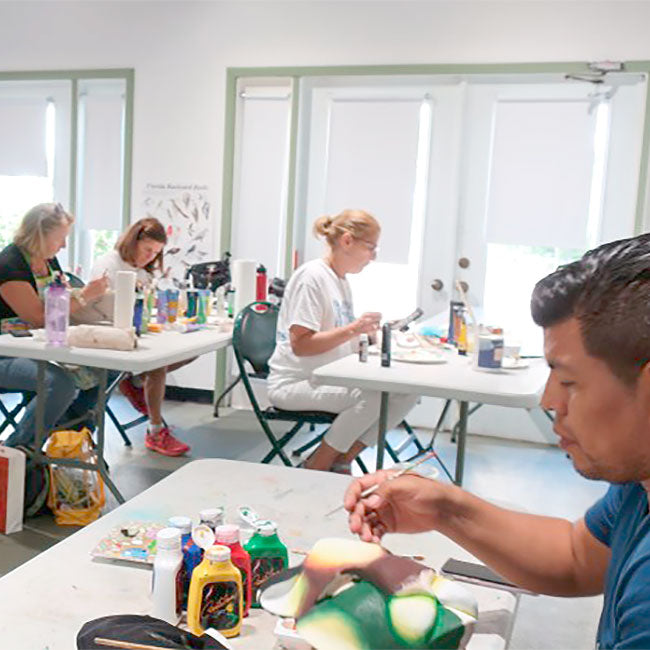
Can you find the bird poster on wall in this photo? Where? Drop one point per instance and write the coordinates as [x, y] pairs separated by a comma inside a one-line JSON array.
[[184, 209]]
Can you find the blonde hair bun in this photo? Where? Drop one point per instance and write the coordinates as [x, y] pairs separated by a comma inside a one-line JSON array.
[[358, 223]]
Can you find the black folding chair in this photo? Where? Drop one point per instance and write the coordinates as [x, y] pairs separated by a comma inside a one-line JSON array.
[[10, 415], [253, 341]]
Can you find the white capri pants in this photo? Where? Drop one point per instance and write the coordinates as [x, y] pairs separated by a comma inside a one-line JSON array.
[[358, 410]]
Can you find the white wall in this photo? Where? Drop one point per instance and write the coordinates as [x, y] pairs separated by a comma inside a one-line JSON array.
[[180, 52]]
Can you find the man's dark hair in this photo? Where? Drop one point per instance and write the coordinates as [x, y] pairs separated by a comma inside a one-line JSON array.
[[608, 292]]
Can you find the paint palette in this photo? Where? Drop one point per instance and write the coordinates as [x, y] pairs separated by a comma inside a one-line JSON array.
[[418, 355], [132, 541]]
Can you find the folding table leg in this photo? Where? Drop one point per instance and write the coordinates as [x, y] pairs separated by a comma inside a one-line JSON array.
[[381, 438], [462, 437], [101, 420]]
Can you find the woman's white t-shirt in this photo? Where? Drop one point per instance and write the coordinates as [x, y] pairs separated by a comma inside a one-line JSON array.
[[315, 298], [112, 262]]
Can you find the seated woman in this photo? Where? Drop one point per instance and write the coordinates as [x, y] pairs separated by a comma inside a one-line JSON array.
[[316, 325], [140, 249], [27, 266]]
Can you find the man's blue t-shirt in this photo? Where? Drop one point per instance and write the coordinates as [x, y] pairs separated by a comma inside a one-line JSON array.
[[620, 520]]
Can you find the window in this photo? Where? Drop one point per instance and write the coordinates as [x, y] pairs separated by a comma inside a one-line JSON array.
[[40, 119]]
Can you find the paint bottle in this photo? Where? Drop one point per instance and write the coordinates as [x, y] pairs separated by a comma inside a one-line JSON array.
[[138, 313], [192, 554], [230, 298], [385, 345], [216, 597], [364, 342], [192, 303], [146, 311], [268, 556], [228, 535], [201, 309], [212, 517], [167, 587]]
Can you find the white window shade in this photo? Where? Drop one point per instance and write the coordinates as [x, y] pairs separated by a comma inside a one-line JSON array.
[[101, 155], [259, 203], [541, 173], [371, 166], [22, 136]]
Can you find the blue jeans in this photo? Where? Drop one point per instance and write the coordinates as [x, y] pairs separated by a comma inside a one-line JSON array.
[[20, 374], [60, 391]]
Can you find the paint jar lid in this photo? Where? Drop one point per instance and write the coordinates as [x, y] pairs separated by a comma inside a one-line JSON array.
[[212, 516], [227, 534], [184, 524], [218, 553], [168, 538], [203, 536], [266, 528]]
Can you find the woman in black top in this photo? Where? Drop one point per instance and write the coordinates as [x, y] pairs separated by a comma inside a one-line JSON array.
[[27, 266]]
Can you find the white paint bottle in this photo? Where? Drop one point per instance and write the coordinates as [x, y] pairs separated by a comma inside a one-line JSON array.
[[167, 585]]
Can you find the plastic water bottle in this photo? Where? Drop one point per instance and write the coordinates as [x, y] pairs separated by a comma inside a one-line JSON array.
[[57, 312]]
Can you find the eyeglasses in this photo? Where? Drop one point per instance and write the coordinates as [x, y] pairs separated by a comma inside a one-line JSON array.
[[371, 246]]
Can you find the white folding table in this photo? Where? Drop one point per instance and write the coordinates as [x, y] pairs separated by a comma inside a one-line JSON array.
[[455, 379], [47, 600], [153, 351]]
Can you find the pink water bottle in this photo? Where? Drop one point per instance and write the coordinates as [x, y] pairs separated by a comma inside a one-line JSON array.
[[57, 312]]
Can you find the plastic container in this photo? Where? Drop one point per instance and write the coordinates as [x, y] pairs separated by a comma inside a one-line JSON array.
[[364, 343], [192, 554], [167, 588], [172, 305], [260, 283], [212, 517], [228, 535], [57, 312], [216, 597], [192, 303], [161, 306], [268, 556]]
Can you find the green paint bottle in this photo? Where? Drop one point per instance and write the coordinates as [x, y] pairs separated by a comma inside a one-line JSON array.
[[268, 555]]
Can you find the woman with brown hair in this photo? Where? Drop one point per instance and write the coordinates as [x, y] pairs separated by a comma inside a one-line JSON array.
[[140, 249], [316, 325]]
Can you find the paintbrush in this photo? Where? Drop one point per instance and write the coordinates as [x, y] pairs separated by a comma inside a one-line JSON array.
[[465, 300], [407, 468], [126, 645]]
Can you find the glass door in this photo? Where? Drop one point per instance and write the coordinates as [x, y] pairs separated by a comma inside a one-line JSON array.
[[550, 170]]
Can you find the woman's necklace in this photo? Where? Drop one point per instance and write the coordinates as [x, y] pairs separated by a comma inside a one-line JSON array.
[[39, 267]]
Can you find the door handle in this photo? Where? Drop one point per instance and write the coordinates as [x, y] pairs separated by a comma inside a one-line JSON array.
[[437, 284]]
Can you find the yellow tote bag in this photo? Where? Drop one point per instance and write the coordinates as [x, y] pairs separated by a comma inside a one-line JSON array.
[[76, 495]]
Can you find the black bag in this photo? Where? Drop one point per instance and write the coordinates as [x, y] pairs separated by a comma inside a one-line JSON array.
[[141, 629], [37, 483]]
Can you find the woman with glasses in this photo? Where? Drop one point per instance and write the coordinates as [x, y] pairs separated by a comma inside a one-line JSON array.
[[27, 267], [140, 249], [316, 325]]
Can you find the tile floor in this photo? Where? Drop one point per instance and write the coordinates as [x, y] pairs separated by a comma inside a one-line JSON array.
[[534, 478]]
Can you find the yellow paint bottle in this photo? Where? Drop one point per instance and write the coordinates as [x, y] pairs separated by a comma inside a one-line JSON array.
[[215, 598]]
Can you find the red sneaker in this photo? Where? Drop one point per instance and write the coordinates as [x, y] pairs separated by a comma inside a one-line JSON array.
[[135, 395], [164, 443]]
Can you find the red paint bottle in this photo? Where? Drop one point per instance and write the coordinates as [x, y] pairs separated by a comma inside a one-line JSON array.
[[228, 535]]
